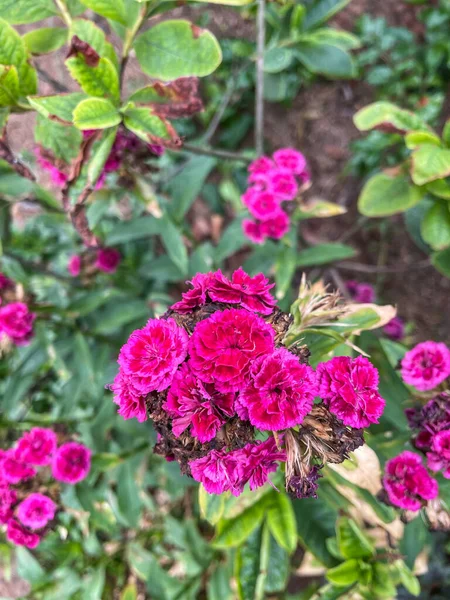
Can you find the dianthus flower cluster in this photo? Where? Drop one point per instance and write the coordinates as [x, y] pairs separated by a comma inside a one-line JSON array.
[[104, 259], [426, 365], [16, 319], [26, 472], [228, 400], [273, 181]]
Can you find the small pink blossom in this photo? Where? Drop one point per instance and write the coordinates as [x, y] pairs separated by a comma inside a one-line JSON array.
[[277, 227], [350, 388], [130, 401], [291, 160], [152, 354], [262, 165], [439, 457], [14, 470], [19, 535], [395, 329], [363, 293], [16, 321], [257, 460], [5, 282], [8, 498], [57, 177], [72, 463], [254, 231], [407, 482], [36, 511], [224, 346], [282, 184], [263, 205], [195, 297], [426, 365], [74, 265], [108, 259], [281, 392], [250, 292], [37, 446], [197, 404], [218, 473]]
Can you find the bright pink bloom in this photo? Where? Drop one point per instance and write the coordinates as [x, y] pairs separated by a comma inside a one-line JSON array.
[[72, 463], [262, 165], [218, 473], [282, 184], [395, 329], [13, 470], [439, 457], [37, 446], [8, 498], [108, 259], [407, 482], [58, 177], [257, 460], [19, 535], [5, 282], [426, 365], [199, 405], [253, 230], [130, 401], [152, 354], [195, 297], [224, 346], [281, 392], [277, 227], [262, 205], [291, 160], [16, 321], [350, 388], [36, 511], [74, 265], [250, 292], [363, 293]]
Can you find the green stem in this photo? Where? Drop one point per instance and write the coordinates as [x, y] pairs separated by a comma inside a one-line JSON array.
[[263, 563], [128, 41], [65, 14]]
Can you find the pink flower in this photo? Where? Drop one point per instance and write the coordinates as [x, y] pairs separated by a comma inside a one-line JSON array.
[[195, 297], [197, 404], [36, 511], [257, 460], [224, 346], [16, 321], [72, 463], [281, 392], [5, 282], [130, 401], [58, 177], [253, 230], [8, 498], [363, 293], [263, 205], [291, 160], [277, 227], [37, 446], [282, 184], [407, 482], [426, 365], [17, 534], [108, 260], [350, 388], [156, 149], [74, 265], [13, 470], [395, 329], [262, 165], [152, 354], [439, 457], [218, 473], [250, 292]]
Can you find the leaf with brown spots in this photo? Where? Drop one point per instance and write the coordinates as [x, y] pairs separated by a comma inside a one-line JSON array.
[[173, 100]]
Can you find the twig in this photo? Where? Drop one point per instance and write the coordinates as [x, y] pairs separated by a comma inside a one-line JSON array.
[[65, 14], [129, 37], [215, 121], [215, 152], [7, 155], [353, 229], [259, 99], [359, 267], [339, 283]]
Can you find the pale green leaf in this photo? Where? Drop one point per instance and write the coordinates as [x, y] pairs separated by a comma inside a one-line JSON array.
[[9, 86], [144, 123], [211, 505], [429, 163], [384, 195], [281, 521], [389, 118], [344, 574], [435, 227], [45, 39], [95, 113], [20, 12], [60, 107], [322, 10], [110, 9], [63, 140]]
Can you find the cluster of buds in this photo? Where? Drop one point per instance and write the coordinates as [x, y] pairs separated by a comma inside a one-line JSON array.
[[103, 259], [230, 401], [271, 182], [29, 489], [16, 319], [407, 481]]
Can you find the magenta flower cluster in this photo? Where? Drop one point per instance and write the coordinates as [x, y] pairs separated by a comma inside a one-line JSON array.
[[272, 181], [16, 319], [26, 514], [426, 365], [408, 483], [106, 260], [227, 368]]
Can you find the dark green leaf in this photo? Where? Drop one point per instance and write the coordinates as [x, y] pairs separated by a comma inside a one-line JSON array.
[[187, 184], [281, 521], [325, 59], [323, 254]]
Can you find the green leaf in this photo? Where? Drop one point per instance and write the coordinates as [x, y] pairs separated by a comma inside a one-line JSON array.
[[408, 579], [28, 567], [439, 188], [277, 59], [429, 163], [21, 12], [60, 107], [144, 123], [127, 494], [129, 593], [382, 584], [344, 574], [277, 569], [335, 37], [384, 195], [177, 48], [45, 39], [110, 9], [415, 537], [174, 244], [285, 267], [9, 86], [231, 241], [322, 254], [101, 80], [389, 118], [64, 141], [224, 2], [233, 532], [187, 185], [247, 565], [441, 261], [315, 524], [435, 227], [103, 461], [129, 231], [281, 521], [218, 586], [352, 541], [12, 48], [100, 155], [95, 113], [321, 11], [211, 505], [325, 59], [27, 79], [94, 585], [417, 138]]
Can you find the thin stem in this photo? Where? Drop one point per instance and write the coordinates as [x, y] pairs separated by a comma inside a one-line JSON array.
[[129, 38], [215, 152], [339, 283], [259, 100], [361, 268], [65, 15]]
